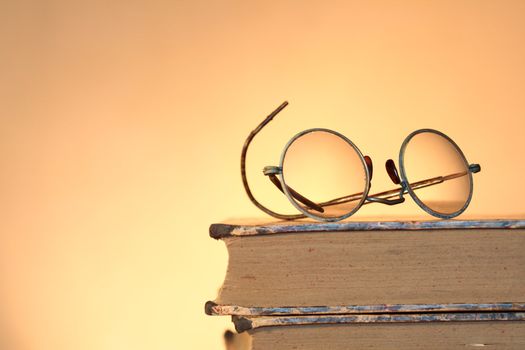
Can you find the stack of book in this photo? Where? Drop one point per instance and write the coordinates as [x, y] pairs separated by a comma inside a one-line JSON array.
[[442, 284]]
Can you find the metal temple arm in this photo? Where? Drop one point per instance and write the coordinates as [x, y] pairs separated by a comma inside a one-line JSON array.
[[386, 195], [243, 168], [295, 194], [272, 171]]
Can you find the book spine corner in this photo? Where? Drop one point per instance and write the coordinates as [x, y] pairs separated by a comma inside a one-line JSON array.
[[219, 231], [209, 308], [242, 324]]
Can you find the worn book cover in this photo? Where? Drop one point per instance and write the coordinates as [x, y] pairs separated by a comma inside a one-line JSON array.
[[287, 268]]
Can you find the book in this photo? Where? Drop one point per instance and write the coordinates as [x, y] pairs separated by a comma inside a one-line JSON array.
[[387, 332], [245, 323], [310, 268]]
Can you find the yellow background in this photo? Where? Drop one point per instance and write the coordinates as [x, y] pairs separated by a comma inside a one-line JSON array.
[[122, 123]]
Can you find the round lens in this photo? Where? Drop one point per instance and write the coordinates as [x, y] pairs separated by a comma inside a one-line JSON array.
[[324, 174], [437, 173]]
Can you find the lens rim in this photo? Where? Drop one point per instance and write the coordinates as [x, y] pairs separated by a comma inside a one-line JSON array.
[[292, 200], [404, 178]]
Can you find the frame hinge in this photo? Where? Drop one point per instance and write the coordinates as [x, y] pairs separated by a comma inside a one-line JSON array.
[[268, 170], [474, 168]]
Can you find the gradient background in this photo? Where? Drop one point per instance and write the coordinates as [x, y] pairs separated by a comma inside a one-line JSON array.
[[122, 123]]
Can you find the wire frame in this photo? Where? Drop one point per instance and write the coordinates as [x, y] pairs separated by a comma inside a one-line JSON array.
[[289, 194], [390, 197], [406, 184]]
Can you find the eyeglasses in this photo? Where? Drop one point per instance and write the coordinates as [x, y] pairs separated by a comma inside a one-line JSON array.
[[326, 177]]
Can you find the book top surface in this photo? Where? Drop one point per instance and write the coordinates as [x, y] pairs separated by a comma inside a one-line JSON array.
[[234, 228]]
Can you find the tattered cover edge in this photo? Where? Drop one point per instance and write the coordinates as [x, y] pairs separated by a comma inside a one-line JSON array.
[[243, 323], [219, 231], [214, 309]]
